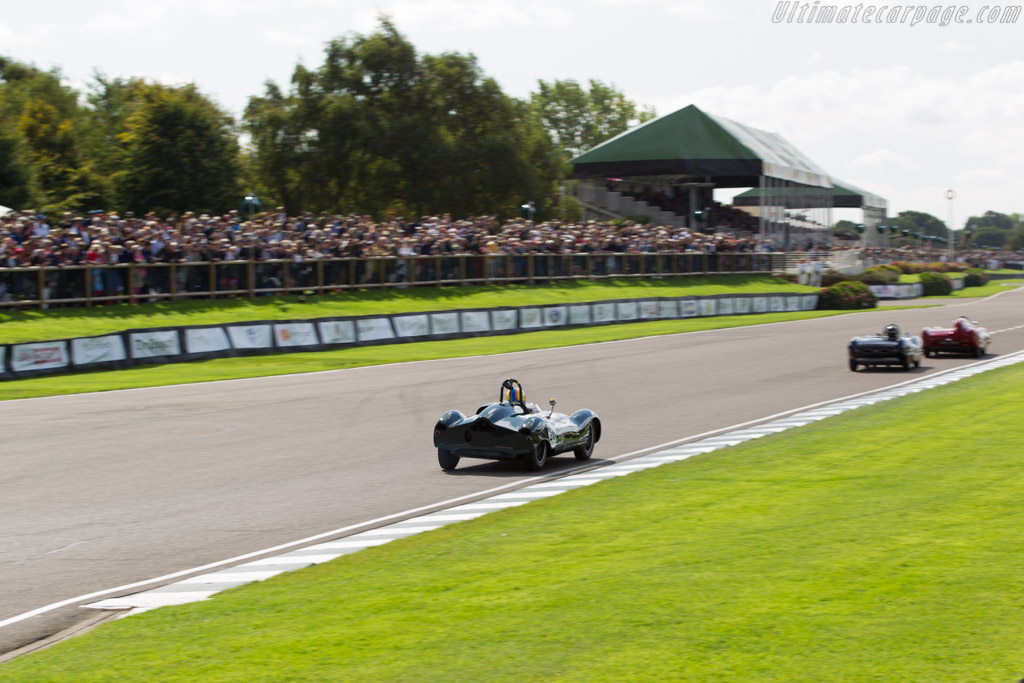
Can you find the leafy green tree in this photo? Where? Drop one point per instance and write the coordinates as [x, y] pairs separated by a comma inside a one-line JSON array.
[[918, 221], [578, 119], [42, 122], [379, 129], [181, 152], [991, 219], [989, 238]]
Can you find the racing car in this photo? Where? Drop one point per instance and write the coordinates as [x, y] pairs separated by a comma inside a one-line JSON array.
[[889, 347], [512, 429], [965, 336]]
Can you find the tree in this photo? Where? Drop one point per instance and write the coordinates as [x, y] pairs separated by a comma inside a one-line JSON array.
[[991, 219], [42, 122], [377, 129], [181, 152], [578, 119], [917, 221]]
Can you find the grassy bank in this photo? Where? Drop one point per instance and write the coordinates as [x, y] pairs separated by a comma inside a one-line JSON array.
[[849, 550], [60, 323]]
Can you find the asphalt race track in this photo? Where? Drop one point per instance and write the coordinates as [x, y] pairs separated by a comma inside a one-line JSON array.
[[103, 490]]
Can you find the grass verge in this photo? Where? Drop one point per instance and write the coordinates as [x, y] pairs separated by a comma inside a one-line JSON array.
[[59, 323], [291, 363], [850, 550]]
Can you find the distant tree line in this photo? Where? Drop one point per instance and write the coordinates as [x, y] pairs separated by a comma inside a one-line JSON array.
[[376, 129], [992, 230]]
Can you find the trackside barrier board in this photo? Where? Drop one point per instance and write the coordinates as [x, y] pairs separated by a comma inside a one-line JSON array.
[[170, 345]]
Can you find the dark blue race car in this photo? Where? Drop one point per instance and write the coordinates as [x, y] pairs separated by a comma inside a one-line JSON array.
[[512, 429], [887, 348]]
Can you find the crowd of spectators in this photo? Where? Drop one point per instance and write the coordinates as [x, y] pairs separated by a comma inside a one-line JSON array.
[[30, 239]]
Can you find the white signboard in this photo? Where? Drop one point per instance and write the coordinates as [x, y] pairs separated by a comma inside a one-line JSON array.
[[668, 309], [810, 302], [503, 320], [778, 304], [250, 336], [579, 315], [742, 305], [530, 317], [625, 310], [411, 325], [337, 331], [708, 306], [295, 334], [444, 323], [726, 306], [475, 321], [555, 315], [688, 308], [603, 312], [792, 303], [648, 310], [760, 304], [154, 344], [98, 349], [3, 359], [39, 356], [372, 329], [205, 340]]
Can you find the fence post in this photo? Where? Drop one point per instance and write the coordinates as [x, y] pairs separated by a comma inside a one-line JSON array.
[[41, 287], [529, 268], [213, 280], [250, 276]]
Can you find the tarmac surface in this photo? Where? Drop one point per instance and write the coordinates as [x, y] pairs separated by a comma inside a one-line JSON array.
[[101, 491]]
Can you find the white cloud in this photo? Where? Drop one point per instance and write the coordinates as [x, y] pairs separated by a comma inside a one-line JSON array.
[[957, 46], [464, 15]]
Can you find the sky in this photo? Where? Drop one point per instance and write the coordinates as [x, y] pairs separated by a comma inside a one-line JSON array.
[[906, 108]]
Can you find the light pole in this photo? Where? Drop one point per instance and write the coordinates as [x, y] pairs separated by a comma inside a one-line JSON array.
[[951, 195]]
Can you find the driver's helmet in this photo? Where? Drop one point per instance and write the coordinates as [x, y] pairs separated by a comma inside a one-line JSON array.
[[892, 332], [512, 391]]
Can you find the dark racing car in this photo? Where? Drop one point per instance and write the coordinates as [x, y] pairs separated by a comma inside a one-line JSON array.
[[887, 348], [512, 429]]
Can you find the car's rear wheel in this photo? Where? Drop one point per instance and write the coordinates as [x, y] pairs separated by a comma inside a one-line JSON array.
[[853, 365], [584, 452], [979, 352], [917, 362], [905, 363], [536, 458], [446, 460]]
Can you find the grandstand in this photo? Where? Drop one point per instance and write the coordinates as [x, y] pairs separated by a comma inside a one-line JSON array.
[[667, 170]]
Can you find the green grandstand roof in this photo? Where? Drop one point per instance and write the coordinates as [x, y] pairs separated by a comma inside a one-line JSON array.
[[844, 196], [690, 142]]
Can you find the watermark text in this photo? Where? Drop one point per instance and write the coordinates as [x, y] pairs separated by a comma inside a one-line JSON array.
[[790, 12]]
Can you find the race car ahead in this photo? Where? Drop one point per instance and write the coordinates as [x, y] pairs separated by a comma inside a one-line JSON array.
[[889, 347], [512, 429], [965, 336]]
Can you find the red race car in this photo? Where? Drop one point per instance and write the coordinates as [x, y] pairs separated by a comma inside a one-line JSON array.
[[965, 336]]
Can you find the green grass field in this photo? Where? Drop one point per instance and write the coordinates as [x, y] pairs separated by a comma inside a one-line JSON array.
[[880, 545], [60, 323]]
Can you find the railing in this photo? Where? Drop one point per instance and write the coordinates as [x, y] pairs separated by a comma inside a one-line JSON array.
[[44, 287]]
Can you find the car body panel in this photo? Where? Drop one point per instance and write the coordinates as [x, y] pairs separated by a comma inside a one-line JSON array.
[[876, 350], [964, 336]]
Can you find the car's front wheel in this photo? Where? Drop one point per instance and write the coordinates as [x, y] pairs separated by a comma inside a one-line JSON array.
[[446, 460], [536, 458], [586, 450], [853, 365]]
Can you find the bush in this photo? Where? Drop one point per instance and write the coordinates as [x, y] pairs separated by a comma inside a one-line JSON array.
[[880, 275], [909, 268], [975, 277], [851, 294], [936, 284], [832, 276]]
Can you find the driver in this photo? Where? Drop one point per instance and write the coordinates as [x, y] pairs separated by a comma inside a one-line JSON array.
[[892, 332], [512, 392]]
